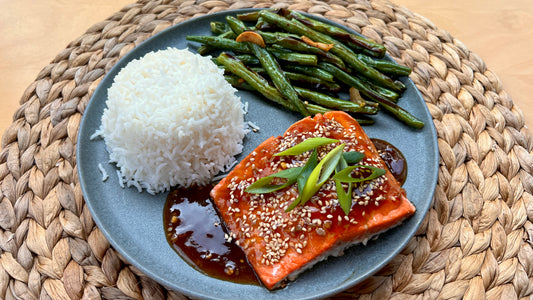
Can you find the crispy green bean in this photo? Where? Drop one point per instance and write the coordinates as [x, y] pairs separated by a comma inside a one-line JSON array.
[[349, 57], [385, 66], [329, 71], [238, 83], [299, 58], [241, 84], [306, 80], [248, 59], [236, 25], [278, 78], [205, 49], [262, 86], [311, 71], [384, 92], [272, 37], [252, 16], [297, 44], [359, 42], [313, 82], [336, 103], [233, 65], [220, 43], [219, 28], [272, 68], [316, 109], [390, 106]]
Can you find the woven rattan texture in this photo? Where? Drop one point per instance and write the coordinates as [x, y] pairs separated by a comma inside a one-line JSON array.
[[476, 240]]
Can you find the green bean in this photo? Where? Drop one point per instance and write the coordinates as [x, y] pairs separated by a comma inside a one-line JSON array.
[[236, 25], [384, 92], [272, 68], [359, 42], [248, 59], [297, 44], [299, 58], [311, 71], [328, 71], [261, 85], [241, 84], [220, 43], [313, 82], [238, 83], [362, 120], [249, 16], [390, 106], [239, 27], [307, 80], [219, 28], [261, 24], [231, 64], [278, 78], [385, 66], [336, 103], [349, 57], [272, 37], [205, 49], [401, 114]]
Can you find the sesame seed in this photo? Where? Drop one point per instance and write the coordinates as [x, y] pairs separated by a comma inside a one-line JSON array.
[[320, 231]]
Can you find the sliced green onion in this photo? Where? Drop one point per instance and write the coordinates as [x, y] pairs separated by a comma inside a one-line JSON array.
[[344, 197], [342, 164], [345, 174], [309, 166], [310, 177], [353, 157], [307, 145], [263, 185], [321, 173]]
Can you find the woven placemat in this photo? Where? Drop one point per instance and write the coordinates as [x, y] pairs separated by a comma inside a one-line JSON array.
[[475, 242]]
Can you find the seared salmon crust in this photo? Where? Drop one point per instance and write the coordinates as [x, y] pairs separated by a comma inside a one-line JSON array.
[[278, 244]]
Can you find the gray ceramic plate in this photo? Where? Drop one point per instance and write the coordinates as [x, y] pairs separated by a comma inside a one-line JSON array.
[[132, 221]]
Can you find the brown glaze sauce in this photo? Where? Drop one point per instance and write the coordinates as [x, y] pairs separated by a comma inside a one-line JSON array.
[[393, 158], [194, 230]]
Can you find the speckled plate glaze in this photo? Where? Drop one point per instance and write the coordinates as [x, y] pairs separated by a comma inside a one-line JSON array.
[[132, 221]]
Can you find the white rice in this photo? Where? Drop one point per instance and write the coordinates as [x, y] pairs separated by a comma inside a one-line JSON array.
[[103, 171], [171, 120], [254, 127]]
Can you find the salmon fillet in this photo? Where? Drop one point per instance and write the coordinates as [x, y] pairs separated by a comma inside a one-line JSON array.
[[278, 244]]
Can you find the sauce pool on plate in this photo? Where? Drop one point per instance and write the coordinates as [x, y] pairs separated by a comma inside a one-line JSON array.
[[393, 158], [194, 230]]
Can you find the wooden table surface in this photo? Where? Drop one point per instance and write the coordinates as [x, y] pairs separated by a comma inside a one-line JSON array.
[[34, 32]]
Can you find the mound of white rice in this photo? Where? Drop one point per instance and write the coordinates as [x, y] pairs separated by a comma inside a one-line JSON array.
[[171, 120]]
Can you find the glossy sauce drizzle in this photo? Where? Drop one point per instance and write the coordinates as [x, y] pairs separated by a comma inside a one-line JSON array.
[[393, 158], [194, 230]]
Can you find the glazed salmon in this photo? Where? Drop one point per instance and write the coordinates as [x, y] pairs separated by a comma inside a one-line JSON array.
[[279, 244]]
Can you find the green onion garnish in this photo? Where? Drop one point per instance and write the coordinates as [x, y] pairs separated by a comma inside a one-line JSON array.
[[310, 177]]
